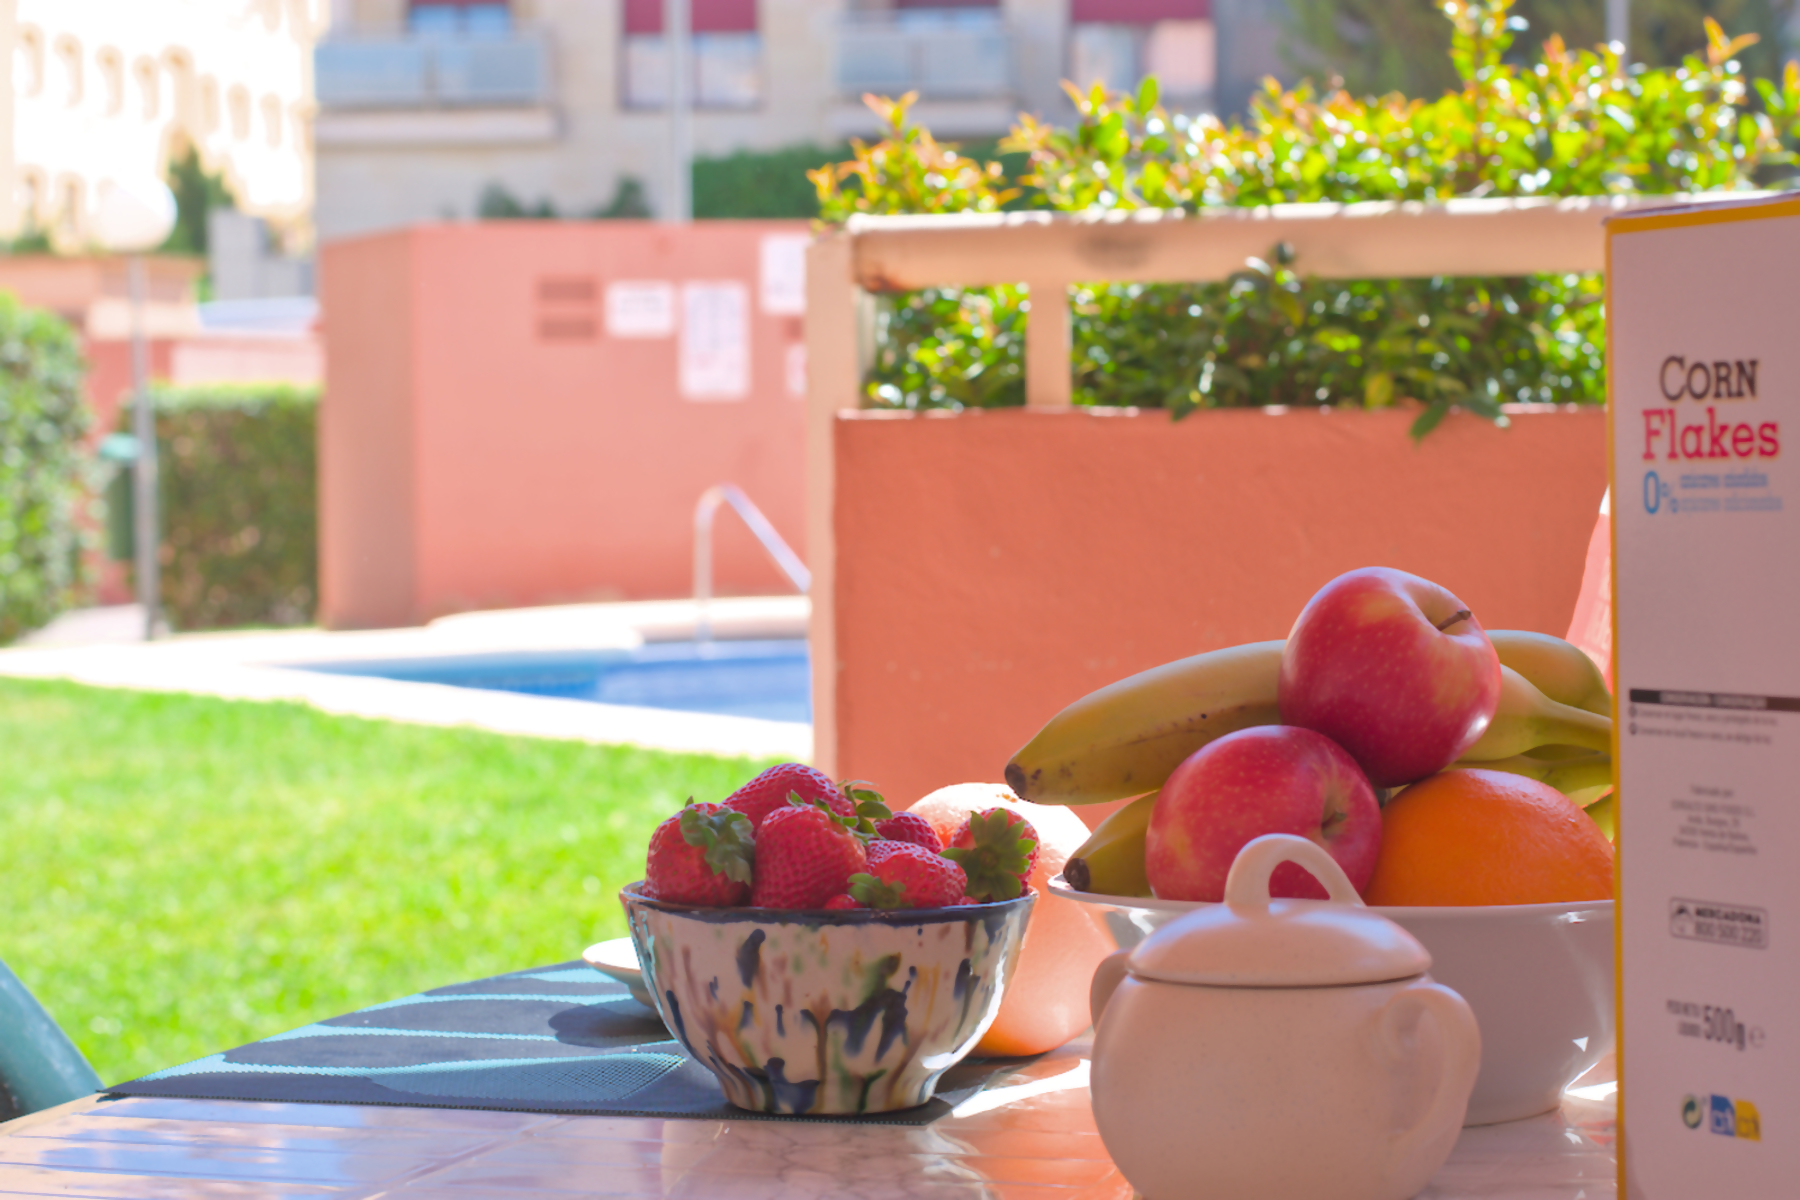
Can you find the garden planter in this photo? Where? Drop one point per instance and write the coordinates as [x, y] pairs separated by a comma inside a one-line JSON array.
[[992, 566]]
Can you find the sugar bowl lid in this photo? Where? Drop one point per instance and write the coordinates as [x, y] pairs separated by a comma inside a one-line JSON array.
[[1253, 941]]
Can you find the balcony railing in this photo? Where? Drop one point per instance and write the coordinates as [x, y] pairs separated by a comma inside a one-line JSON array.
[[941, 59], [433, 72]]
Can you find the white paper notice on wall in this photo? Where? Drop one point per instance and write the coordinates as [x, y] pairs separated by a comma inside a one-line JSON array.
[[1704, 402], [784, 274], [715, 341], [640, 308]]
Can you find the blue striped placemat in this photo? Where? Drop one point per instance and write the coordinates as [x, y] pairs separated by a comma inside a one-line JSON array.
[[557, 1039]]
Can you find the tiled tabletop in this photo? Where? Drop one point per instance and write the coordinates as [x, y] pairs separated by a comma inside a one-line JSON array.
[[1028, 1136]]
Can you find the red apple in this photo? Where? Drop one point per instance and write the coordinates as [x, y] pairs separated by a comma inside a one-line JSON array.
[[1394, 669], [1267, 779]]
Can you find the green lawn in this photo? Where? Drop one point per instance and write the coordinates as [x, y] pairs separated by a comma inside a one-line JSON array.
[[180, 875]]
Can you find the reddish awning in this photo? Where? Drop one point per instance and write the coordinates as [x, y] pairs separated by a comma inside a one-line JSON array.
[[708, 16], [1138, 12]]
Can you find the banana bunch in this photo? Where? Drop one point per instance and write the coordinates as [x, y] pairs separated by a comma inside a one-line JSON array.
[[1111, 861], [1556, 668], [1553, 724], [1126, 738]]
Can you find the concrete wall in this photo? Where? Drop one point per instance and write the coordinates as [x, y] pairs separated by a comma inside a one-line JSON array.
[[487, 442], [383, 168], [428, 171], [991, 567]]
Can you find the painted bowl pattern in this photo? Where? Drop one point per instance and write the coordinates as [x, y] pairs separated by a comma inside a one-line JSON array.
[[852, 1011]]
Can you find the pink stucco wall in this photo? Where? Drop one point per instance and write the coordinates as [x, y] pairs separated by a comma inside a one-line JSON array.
[[991, 567], [486, 441]]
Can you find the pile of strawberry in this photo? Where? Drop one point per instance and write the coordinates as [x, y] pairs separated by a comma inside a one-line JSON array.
[[791, 838]]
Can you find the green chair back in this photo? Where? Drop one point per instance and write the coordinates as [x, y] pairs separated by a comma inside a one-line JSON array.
[[39, 1066]]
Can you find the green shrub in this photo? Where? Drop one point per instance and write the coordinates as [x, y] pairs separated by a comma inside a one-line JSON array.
[[760, 183], [1572, 123], [43, 421], [239, 486], [1399, 45]]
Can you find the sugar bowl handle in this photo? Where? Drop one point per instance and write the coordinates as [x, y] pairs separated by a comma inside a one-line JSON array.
[[1420, 1146], [1248, 883], [1107, 977]]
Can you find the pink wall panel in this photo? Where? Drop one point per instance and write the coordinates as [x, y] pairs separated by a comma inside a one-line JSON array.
[[556, 462], [992, 567]]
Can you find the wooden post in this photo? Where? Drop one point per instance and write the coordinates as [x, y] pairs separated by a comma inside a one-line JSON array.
[[1048, 347], [833, 382]]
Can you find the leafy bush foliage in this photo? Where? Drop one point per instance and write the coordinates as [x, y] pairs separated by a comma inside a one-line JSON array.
[[239, 483], [1575, 122], [1399, 45], [43, 421], [760, 184]]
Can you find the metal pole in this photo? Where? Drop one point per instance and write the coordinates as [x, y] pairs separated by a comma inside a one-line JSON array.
[[773, 545], [1618, 26], [676, 29], [143, 423]]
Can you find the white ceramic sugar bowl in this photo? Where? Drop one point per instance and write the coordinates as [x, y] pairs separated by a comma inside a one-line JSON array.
[[1272, 1048]]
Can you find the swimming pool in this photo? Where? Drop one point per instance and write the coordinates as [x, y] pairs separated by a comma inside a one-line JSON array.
[[768, 679]]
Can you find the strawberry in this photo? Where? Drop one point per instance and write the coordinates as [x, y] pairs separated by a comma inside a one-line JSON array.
[[910, 827], [844, 900], [770, 791], [702, 855], [908, 876], [805, 855], [996, 849]]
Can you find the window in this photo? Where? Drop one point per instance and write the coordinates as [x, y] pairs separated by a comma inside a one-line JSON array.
[[112, 79], [68, 52], [239, 104], [209, 104], [724, 55], [28, 63], [31, 200], [1118, 42], [69, 211], [948, 12], [454, 17], [271, 112], [149, 90]]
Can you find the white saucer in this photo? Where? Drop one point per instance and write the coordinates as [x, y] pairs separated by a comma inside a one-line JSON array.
[[618, 960]]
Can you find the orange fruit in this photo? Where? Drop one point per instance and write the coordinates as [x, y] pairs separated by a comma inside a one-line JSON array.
[[1046, 1000], [1488, 837]]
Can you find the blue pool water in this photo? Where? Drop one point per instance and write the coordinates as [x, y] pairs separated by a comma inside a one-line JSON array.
[[767, 679]]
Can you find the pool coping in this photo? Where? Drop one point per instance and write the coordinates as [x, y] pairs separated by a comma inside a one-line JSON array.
[[260, 666]]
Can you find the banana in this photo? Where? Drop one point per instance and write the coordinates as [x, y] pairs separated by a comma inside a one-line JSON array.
[[1583, 778], [1557, 668], [1526, 719], [1606, 815], [1111, 861], [1126, 738]]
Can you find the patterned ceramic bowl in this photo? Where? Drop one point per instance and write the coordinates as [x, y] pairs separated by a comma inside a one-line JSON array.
[[848, 1011]]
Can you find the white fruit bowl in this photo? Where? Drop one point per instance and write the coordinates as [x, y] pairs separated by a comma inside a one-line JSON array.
[[1539, 978]]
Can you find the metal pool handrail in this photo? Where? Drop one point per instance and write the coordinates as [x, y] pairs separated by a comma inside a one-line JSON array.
[[778, 550]]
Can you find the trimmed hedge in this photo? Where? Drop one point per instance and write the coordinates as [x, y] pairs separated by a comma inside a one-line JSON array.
[[239, 486], [762, 184], [43, 423]]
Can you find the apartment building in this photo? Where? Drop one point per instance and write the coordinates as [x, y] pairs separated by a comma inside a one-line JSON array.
[[110, 89], [424, 103]]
